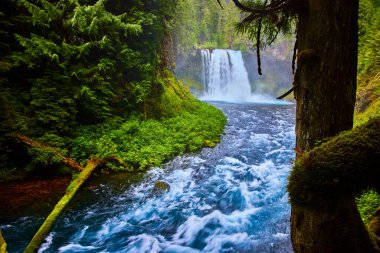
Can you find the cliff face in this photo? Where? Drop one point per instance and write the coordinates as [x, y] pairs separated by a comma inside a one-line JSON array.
[[276, 63]]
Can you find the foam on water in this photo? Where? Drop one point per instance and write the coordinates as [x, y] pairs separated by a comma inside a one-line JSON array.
[[228, 199], [47, 243]]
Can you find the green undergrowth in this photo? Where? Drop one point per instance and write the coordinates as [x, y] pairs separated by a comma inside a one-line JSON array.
[[170, 124], [174, 123], [368, 102], [144, 143]]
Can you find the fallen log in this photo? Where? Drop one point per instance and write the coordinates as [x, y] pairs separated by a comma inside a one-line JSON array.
[[374, 226], [3, 244], [55, 151], [74, 186]]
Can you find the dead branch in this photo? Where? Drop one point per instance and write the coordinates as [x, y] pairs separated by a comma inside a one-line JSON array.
[[286, 93], [38, 145]]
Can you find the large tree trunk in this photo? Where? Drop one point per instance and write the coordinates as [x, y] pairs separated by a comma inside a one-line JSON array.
[[325, 87]]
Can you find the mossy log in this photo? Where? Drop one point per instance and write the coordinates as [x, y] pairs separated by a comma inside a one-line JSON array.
[[3, 244], [343, 166], [74, 186], [55, 151], [374, 226]]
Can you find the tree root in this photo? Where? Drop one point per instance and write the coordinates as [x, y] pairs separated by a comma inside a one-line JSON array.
[[344, 166]]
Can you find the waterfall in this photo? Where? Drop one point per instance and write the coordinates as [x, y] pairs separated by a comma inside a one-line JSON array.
[[224, 76]]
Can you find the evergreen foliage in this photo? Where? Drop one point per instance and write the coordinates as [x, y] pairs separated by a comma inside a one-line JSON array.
[[268, 27], [67, 65], [204, 24], [369, 31]]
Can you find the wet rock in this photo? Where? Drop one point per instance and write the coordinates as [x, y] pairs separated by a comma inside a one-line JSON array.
[[161, 187]]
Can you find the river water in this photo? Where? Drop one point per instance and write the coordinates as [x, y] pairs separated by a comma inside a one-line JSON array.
[[231, 198]]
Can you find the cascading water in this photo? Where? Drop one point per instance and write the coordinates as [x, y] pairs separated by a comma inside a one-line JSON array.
[[225, 76], [227, 199], [231, 198]]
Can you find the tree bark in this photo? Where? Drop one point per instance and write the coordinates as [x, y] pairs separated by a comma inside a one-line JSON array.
[[325, 88]]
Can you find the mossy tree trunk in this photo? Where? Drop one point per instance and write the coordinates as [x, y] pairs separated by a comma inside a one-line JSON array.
[[325, 89]]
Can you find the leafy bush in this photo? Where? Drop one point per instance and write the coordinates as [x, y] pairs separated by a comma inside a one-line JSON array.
[[144, 143]]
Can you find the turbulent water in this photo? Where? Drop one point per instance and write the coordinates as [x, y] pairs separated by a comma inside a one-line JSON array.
[[228, 199]]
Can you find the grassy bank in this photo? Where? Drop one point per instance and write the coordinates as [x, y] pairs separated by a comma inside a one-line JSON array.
[[144, 143]]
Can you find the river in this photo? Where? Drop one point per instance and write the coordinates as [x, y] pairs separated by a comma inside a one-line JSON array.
[[231, 198]]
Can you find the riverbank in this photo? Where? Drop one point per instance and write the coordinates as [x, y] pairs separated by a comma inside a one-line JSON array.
[[31, 196], [174, 123], [231, 197]]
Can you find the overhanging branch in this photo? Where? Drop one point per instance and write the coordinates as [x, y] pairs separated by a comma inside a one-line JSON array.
[[286, 93], [274, 6]]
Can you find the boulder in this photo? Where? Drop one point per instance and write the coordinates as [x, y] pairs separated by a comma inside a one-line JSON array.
[[161, 187]]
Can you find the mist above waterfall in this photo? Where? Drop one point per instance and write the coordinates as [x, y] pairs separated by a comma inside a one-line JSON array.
[[230, 75]]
